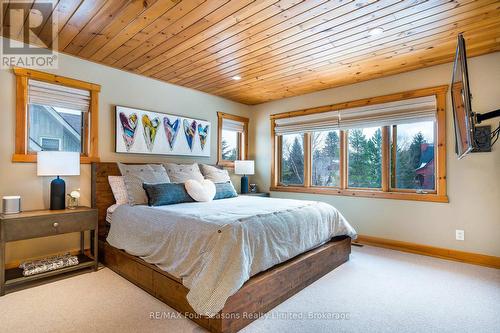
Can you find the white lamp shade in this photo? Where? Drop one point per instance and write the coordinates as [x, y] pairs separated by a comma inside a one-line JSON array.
[[244, 167], [58, 163]]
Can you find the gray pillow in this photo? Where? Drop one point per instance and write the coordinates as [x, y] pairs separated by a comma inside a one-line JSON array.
[[224, 191], [214, 174], [135, 175], [166, 194], [179, 173], [158, 168]]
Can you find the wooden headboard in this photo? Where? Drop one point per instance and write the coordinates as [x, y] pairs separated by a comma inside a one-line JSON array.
[[102, 196]]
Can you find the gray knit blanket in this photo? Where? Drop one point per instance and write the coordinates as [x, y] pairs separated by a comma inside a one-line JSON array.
[[215, 247]]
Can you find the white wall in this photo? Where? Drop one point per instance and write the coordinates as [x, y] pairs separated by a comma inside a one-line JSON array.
[[117, 88], [473, 183]]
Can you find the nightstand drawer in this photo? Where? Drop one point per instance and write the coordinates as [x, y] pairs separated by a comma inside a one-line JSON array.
[[49, 225]]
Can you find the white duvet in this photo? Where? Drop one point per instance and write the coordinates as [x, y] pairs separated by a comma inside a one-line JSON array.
[[214, 247]]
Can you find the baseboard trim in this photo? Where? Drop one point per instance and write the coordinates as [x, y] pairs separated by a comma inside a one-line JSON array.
[[432, 251]]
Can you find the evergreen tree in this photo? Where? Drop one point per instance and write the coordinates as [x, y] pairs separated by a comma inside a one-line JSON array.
[[332, 143], [374, 151], [358, 159], [408, 160], [331, 154], [228, 153], [416, 149], [317, 168], [296, 163]]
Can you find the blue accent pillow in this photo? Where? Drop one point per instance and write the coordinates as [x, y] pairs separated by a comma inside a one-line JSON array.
[[224, 191], [166, 194]]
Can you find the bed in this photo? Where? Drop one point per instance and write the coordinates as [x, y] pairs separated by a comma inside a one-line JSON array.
[[230, 290]]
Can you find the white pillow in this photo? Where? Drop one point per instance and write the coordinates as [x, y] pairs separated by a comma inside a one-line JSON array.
[[200, 191], [119, 189]]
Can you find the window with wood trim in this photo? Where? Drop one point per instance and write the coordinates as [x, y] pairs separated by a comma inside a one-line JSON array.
[[55, 113], [232, 138], [384, 147]]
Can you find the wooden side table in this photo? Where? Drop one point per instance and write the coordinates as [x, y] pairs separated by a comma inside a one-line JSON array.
[[43, 223]]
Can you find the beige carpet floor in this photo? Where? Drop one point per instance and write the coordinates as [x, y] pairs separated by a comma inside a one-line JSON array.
[[378, 290]]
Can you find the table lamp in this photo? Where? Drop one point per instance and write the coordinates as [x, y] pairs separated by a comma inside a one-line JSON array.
[[57, 163], [244, 168]]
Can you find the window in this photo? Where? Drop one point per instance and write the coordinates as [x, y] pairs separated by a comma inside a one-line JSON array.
[[55, 113], [292, 160], [325, 155], [55, 129], [365, 157], [230, 145], [233, 138], [50, 144], [384, 147], [413, 156]]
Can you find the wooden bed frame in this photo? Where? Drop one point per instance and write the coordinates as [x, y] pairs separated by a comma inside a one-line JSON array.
[[258, 295]]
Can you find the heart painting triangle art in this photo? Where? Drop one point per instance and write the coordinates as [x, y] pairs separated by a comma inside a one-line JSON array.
[[171, 130], [129, 127], [203, 134], [190, 132], [150, 130]]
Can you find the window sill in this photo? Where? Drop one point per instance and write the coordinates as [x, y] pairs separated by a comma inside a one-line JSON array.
[[226, 164], [430, 197], [31, 158]]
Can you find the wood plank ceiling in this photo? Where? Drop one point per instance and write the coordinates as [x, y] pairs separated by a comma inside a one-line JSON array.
[[279, 48]]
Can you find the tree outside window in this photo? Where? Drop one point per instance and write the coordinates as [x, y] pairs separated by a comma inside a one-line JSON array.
[[229, 145], [325, 158], [292, 153], [413, 167], [390, 147], [232, 139], [365, 158]]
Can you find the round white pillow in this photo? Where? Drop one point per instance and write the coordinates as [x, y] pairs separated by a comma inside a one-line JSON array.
[[200, 191]]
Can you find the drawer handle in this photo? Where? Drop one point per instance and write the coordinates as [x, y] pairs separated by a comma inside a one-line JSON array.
[[55, 225]]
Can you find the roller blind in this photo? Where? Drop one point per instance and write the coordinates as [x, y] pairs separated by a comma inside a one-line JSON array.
[[233, 125], [55, 95], [385, 114]]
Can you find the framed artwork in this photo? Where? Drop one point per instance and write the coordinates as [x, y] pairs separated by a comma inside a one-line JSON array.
[[145, 132]]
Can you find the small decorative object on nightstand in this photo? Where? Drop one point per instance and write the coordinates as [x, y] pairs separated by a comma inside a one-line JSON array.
[[73, 199], [43, 223], [244, 168], [11, 204], [257, 194], [58, 163]]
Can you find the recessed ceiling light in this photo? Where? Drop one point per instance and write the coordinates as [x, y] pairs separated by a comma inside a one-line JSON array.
[[236, 78], [376, 31], [362, 3]]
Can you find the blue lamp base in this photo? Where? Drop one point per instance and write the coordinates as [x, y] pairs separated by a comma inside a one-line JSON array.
[[57, 194], [244, 185]]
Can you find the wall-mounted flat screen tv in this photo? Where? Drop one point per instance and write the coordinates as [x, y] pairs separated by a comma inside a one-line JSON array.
[[469, 137], [461, 101]]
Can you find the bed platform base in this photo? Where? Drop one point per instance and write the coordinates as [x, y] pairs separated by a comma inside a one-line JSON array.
[[258, 295]]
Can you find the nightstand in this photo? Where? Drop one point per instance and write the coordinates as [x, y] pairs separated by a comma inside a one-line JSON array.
[[257, 194], [43, 223]]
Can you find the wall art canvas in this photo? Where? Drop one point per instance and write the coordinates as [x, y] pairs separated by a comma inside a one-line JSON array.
[[145, 132]]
